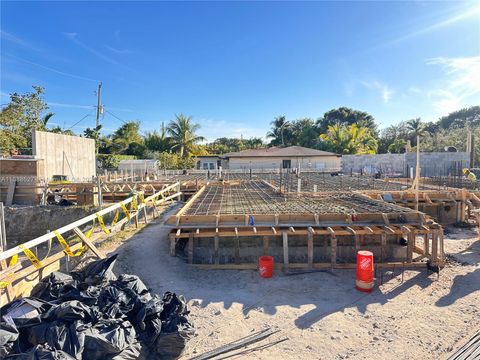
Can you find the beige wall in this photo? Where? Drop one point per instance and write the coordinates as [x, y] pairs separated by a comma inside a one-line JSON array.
[[72, 156], [271, 162]]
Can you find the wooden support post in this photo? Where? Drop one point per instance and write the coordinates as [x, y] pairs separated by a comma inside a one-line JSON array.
[[190, 248], [266, 241], [310, 250], [237, 249], [87, 242], [441, 250], [426, 248], [434, 257], [135, 218], [334, 250], [216, 255], [145, 214], [357, 242], [410, 246], [285, 250], [384, 247]]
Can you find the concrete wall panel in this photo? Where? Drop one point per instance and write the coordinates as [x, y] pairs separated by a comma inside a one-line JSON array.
[[72, 156]]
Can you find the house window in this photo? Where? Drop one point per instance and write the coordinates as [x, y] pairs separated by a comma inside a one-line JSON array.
[[286, 164]]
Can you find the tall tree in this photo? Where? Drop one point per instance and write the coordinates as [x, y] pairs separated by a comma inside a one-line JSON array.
[[350, 139], [417, 127], [461, 118], [183, 134], [347, 116], [157, 141], [280, 131], [19, 117]]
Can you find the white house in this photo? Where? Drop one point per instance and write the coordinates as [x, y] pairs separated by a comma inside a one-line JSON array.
[[288, 157]]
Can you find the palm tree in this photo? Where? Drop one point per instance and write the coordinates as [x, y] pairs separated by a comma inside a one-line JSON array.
[[45, 119], [182, 131], [278, 128], [417, 127], [350, 139]]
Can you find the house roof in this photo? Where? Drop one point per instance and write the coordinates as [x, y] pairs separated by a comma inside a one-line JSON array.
[[277, 151]]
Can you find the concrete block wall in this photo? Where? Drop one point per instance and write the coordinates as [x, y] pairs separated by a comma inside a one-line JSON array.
[[431, 163]]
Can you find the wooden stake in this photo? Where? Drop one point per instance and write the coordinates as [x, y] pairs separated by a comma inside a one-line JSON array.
[[285, 250]]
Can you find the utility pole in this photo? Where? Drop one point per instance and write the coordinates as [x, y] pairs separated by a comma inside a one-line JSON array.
[[99, 103]]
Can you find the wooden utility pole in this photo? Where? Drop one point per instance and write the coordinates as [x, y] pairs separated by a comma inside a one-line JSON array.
[[99, 104]]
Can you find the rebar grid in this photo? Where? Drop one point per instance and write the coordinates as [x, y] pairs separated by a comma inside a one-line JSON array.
[[256, 197]]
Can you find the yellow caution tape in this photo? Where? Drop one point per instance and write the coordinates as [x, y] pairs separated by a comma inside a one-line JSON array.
[[4, 284], [64, 243], [13, 260], [82, 250], [31, 256], [89, 232], [125, 210], [102, 224], [134, 202], [115, 218], [141, 198]]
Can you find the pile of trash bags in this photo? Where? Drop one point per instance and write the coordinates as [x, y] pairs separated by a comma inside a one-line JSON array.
[[93, 314]]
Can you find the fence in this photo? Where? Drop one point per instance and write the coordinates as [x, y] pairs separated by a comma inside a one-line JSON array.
[[18, 280]]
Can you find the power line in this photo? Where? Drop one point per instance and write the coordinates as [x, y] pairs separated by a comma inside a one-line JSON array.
[[115, 116], [79, 121]]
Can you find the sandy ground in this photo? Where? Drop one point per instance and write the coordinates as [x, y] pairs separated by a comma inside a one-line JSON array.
[[320, 315]]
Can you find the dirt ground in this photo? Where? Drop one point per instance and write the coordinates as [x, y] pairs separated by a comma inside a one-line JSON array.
[[320, 315]]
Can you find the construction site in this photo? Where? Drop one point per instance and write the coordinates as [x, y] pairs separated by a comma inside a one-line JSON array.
[[201, 234]]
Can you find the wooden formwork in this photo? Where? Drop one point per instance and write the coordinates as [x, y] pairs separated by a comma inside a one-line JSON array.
[[396, 221], [446, 206]]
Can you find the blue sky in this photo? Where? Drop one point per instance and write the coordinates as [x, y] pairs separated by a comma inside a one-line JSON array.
[[235, 66]]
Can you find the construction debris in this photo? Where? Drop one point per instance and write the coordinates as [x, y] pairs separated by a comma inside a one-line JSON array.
[[92, 314]]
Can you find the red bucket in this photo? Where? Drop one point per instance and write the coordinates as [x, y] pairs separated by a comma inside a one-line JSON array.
[[265, 266], [364, 278]]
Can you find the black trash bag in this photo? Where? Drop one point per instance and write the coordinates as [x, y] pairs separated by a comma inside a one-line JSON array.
[[96, 273], [110, 339], [70, 311], [8, 336], [52, 286], [24, 310], [147, 321], [61, 335], [114, 303], [176, 329], [88, 296], [41, 352], [170, 345], [134, 283]]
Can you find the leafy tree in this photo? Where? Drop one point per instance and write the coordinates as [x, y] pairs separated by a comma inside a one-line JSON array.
[[347, 116], [175, 161], [157, 141], [417, 127], [397, 147], [280, 131], [467, 116], [19, 117], [350, 139], [183, 134], [304, 133], [94, 133], [254, 143], [127, 139], [57, 129]]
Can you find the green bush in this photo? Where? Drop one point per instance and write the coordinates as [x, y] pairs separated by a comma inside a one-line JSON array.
[[111, 161]]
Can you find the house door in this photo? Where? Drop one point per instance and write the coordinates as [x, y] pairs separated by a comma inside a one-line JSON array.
[[286, 164]]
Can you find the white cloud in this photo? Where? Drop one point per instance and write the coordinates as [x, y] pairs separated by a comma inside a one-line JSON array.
[[460, 83], [383, 89]]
